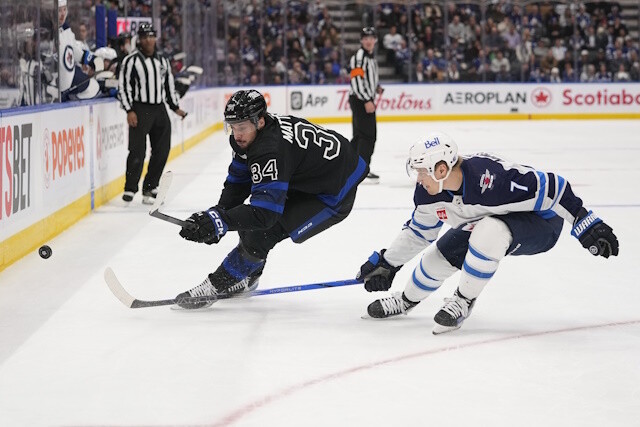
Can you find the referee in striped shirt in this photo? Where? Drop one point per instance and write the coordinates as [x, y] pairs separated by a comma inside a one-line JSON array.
[[362, 94], [145, 82]]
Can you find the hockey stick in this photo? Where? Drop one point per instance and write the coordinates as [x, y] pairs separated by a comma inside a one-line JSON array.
[[131, 302], [163, 188]]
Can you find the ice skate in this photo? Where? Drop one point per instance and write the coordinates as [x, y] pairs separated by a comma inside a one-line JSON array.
[[453, 313], [215, 285], [149, 196], [390, 306], [372, 178], [127, 196]]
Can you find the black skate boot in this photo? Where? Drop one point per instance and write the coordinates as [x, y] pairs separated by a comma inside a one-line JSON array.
[[391, 306], [453, 313], [217, 283], [149, 196]]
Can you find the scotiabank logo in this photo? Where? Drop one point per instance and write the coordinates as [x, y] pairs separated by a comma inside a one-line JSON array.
[[15, 168], [600, 97], [64, 153], [402, 102], [541, 97]]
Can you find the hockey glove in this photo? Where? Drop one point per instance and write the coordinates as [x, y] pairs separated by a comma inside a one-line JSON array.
[[207, 227], [377, 273], [595, 235]]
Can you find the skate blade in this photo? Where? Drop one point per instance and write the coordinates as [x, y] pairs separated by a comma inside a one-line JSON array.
[[439, 329], [368, 181], [378, 319], [178, 308]]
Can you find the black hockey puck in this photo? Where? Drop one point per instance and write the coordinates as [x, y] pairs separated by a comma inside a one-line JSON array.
[[45, 251]]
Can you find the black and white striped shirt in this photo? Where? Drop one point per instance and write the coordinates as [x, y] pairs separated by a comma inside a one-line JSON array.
[[147, 80], [364, 75], [29, 90]]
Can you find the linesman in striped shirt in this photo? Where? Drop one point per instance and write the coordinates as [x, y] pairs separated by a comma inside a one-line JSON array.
[[145, 82], [364, 88]]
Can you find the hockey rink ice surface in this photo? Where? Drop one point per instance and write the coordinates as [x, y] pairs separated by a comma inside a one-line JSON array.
[[553, 340]]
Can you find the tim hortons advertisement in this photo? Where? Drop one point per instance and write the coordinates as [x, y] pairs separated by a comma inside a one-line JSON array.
[[18, 149], [324, 101]]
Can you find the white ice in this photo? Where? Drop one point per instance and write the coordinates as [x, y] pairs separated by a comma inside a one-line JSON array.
[[553, 340]]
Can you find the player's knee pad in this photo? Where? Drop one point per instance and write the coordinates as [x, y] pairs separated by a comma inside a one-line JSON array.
[[435, 264], [429, 274], [491, 237]]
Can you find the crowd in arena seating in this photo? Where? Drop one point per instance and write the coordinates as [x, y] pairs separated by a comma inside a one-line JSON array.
[[304, 51], [298, 41], [538, 43]]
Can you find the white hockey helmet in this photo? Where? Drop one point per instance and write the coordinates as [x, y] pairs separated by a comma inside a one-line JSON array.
[[435, 148], [62, 12]]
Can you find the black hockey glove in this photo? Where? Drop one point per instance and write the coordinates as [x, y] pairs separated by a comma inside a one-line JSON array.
[[595, 235], [205, 227], [377, 273]]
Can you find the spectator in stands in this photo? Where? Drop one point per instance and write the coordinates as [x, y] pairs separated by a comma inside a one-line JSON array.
[[621, 75], [500, 64], [548, 61], [494, 41], [512, 38], [555, 76], [558, 50], [314, 76], [418, 73], [590, 39], [589, 74], [456, 30], [430, 38], [569, 74], [392, 42], [634, 72], [297, 75], [603, 75], [453, 75]]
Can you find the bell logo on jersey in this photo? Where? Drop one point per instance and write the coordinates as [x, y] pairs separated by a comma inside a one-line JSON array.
[[442, 214], [486, 181]]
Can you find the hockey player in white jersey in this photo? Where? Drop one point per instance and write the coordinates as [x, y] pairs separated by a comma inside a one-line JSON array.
[[495, 208], [72, 81]]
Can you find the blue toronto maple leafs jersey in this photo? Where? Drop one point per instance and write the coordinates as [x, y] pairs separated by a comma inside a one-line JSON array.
[[491, 186]]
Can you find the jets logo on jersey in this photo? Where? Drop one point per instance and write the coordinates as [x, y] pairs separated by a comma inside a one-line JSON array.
[[69, 60], [486, 181], [442, 214]]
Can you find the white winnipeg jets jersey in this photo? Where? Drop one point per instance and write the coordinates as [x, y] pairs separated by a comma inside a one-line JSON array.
[[70, 55], [491, 186]]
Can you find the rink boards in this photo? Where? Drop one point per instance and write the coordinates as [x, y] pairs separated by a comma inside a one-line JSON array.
[[58, 163]]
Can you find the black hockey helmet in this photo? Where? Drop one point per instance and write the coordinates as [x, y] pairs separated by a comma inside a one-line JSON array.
[[125, 35], [146, 30], [368, 31], [245, 105]]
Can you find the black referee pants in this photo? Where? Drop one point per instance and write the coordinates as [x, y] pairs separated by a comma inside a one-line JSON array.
[[364, 128], [153, 120]]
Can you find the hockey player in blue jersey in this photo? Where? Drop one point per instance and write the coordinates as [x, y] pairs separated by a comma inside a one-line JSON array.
[[495, 208]]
